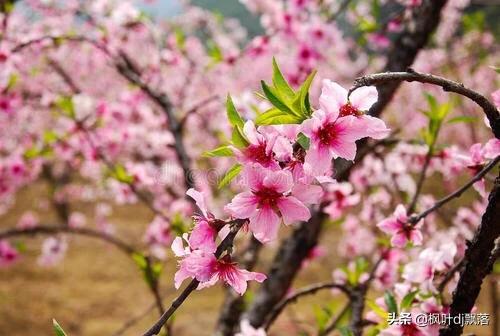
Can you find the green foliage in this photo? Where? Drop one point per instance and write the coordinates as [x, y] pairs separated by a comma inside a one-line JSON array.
[[436, 115], [230, 175], [120, 174], [150, 270], [345, 331], [219, 151], [475, 21], [303, 141], [390, 302], [58, 330], [214, 52], [289, 106], [408, 300], [322, 315], [65, 105]]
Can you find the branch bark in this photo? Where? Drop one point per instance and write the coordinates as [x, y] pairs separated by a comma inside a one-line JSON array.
[[417, 31], [479, 258]]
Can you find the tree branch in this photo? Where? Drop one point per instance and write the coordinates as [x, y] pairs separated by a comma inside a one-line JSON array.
[[479, 258], [309, 290], [50, 230], [410, 75]]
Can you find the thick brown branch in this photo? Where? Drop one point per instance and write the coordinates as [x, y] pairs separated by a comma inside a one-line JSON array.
[[418, 28], [478, 261]]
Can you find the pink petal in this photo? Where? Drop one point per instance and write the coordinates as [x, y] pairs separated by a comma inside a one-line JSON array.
[[364, 97], [399, 240], [203, 237], [253, 176], [178, 247], [318, 161], [243, 205], [389, 225], [374, 127], [180, 276], [199, 199], [344, 149], [309, 126], [416, 237], [333, 97], [237, 280], [251, 133], [293, 210], [264, 224], [280, 181], [400, 213], [306, 193]]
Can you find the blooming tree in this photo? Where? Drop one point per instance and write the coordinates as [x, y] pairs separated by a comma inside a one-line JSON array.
[[108, 107]]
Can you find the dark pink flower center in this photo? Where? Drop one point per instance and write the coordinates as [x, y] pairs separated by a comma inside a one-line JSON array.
[[327, 134], [410, 330], [268, 197], [348, 109], [258, 154]]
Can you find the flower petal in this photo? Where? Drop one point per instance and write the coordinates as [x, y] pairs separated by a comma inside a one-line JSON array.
[[243, 205], [364, 97], [264, 224], [293, 210]]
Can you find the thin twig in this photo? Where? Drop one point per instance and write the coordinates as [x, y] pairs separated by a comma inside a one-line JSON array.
[[226, 244], [309, 290], [457, 193], [47, 229], [332, 325]]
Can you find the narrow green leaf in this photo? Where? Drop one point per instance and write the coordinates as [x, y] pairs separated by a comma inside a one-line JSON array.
[[280, 82], [303, 141], [345, 331], [274, 99], [230, 175], [390, 302], [462, 119], [232, 114], [377, 309], [219, 151], [408, 300], [277, 117], [58, 330], [238, 138]]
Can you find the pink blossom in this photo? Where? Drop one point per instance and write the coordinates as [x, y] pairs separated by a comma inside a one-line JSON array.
[[28, 220], [53, 251], [260, 149], [341, 197], [270, 197], [8, 254], [496, 98], [246, 329], [77, 220], [205, 231], [205, 268], [335, 128], [158, 232], [401, 230]]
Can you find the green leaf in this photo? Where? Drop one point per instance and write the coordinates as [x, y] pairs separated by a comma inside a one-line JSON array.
[[460, 119], [232, 114], [345, 331], [214, 52], [230, 175], [120, 173], [274, 116], [140, 260], [303, 141], [302, 99], [280, 82], [65, 104], [390, 302], [13, 80], [274, 98], [219, 151], [238, 138], [50, 137], [377, 309], [408, 300], [58, 330], [180, 37]]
